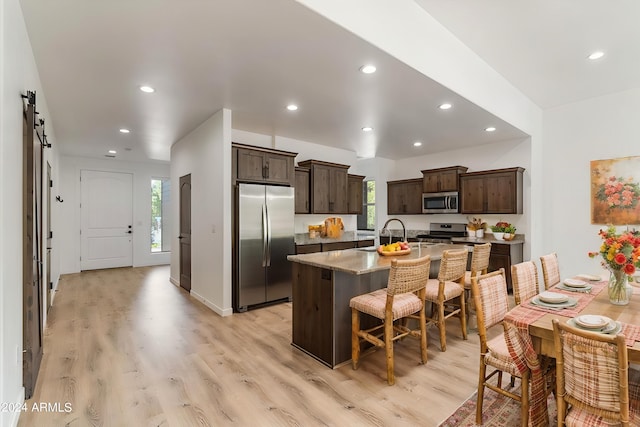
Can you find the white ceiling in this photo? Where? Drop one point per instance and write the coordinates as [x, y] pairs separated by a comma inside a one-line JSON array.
[[541, 46], [254, 57]]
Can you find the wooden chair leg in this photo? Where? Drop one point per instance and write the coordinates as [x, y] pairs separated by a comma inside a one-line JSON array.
[[442, 327], [463, 316], [423, 335], [355, 340], [388, 341], [483, 372]]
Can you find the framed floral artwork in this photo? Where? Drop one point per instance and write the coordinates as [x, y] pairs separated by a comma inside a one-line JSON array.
[[615, 191]]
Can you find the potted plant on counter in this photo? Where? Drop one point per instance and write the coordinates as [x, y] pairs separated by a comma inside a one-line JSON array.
[[509, 232], [499, 229]]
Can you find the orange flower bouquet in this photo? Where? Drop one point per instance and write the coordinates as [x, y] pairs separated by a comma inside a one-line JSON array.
[[621, 256]]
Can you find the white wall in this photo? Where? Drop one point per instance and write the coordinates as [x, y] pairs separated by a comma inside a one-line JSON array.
[[205, 153], [69, 230], [18, 73], [599, 128]]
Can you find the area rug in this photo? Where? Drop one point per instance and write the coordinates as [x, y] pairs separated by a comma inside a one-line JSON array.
[[498, 411]]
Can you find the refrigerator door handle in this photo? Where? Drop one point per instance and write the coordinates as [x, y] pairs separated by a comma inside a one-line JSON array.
[[268, 237], [264, 236]]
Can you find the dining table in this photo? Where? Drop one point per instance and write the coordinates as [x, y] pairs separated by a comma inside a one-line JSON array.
[[529, 331]]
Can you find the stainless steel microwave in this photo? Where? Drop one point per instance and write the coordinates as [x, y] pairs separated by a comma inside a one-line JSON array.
[[433, 203]]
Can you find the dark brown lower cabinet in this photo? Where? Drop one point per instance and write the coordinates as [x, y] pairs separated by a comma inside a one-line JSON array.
[[504, 256]]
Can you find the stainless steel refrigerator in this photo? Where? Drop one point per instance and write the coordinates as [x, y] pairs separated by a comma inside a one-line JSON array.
[[264, 237]]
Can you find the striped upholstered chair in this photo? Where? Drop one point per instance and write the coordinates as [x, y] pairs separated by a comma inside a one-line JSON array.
[[490, 296], [550, 270], [524, 277], [402, 299], [593, 379]]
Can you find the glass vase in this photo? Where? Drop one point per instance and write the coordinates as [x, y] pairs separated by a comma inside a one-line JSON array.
[[619, 289]]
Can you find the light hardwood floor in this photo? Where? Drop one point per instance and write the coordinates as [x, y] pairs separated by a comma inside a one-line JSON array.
[[125, 347]]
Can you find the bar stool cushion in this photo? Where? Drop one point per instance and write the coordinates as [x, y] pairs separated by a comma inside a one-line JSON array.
[[451, 290], [374, 304]]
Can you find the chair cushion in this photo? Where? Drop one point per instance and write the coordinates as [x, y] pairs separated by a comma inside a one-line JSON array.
[[498, 356], [451, 290], [374, 303]]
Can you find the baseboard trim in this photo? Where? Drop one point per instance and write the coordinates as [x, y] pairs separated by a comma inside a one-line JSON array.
[[174, 281], [218, 310], [15, 416]]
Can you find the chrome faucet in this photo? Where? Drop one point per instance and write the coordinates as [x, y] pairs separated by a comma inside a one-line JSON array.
[[404, 230]]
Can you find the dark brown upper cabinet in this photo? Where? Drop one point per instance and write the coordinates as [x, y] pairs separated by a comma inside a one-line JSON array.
[[496, 191], [404, 197], [355, 192], [328, 189], [302, 190], [263, 165], [441, 179]]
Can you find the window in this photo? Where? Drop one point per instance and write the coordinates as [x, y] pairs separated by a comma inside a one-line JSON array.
[[160, 215], [367, 220]]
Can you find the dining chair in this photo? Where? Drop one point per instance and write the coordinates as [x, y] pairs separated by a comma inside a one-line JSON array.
[[479, 265], [490, 296], [550, 270], [593, 378], [403, 299], [524, 277], [446, 293]]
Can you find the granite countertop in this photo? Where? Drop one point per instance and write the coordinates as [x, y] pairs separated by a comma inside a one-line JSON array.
[[359, 261], [347, 236], [488, 238]]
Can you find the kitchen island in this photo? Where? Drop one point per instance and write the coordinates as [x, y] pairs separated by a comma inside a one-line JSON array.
[[323, 284]]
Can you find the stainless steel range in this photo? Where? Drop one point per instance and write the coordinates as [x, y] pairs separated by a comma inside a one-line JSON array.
[[442, 232]]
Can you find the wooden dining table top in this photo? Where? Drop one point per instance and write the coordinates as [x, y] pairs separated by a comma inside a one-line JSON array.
[[541, 330]]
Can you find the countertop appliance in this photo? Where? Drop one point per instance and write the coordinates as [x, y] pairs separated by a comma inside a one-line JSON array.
[[264, 227], [434, 203], [442, 232]]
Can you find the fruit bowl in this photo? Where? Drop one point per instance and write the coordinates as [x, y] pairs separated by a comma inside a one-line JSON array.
[[394, 253], [393, 249]]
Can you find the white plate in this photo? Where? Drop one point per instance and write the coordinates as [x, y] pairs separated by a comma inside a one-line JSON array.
[[552, 297], [613, 328], [591, 277], [574, 283], [592, 321]]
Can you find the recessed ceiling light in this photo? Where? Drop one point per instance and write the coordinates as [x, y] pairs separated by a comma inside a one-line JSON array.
[[596, 55], [368, 69], [417, 144], [292, 107], [367, 129], [112, 151], [123, 130], [445, 106], [490, 129], [147, 89]]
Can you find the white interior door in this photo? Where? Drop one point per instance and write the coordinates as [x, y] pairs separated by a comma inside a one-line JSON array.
[[107, 219]]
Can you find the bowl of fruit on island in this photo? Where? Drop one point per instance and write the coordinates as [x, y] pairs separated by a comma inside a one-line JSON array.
[[392, 249]]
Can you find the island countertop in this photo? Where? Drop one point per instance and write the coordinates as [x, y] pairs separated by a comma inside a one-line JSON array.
[[367, 260]]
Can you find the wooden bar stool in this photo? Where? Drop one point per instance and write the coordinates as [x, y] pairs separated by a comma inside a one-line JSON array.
[[402, 299], [479, 265], [444, 291]]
